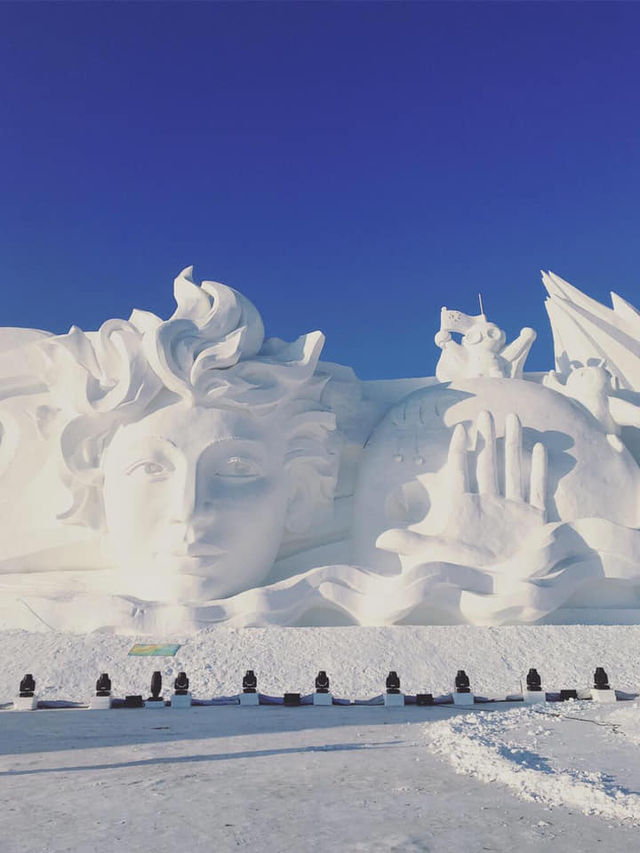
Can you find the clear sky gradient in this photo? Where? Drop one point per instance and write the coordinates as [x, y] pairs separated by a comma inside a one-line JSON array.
[[349, 166]]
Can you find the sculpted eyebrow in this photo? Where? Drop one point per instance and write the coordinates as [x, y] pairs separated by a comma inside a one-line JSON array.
[[239, 438], [159, 438]]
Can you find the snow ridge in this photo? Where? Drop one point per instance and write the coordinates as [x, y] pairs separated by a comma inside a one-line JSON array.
[[515, 749]]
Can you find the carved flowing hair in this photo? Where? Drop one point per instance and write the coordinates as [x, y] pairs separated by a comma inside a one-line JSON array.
[[211, 352]]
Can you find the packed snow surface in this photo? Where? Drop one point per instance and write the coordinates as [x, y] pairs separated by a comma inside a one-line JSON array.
[[498, 777], [365, 779], [356, 659], [569, 754]]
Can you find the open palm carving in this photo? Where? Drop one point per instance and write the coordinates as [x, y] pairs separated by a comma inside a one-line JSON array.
[[487, 506]]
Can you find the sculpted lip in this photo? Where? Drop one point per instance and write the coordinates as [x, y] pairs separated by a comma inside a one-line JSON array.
[[194, 560], [197, 551]]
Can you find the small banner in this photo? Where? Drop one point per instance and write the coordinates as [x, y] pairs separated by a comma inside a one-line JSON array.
[[154, 649]]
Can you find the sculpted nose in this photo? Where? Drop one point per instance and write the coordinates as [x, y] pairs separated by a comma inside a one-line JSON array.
[[193, 499], [184, 506]]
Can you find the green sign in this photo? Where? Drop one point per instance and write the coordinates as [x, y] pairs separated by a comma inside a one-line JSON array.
[[154, 649]]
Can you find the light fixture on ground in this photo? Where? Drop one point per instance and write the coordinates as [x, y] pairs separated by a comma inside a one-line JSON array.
[[462, 694], [291, 699], [424, 699], [566, 695], [393, 698], [534, 692], [601, 691], [135, 700], [102, 700], [322, 696], [249, 695], [155, 700], [27, 699], [181, 697]]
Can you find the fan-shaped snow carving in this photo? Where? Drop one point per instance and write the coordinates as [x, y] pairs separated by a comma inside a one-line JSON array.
[[587, 333]]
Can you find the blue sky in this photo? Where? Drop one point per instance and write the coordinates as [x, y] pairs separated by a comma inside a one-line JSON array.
[[349, 166]]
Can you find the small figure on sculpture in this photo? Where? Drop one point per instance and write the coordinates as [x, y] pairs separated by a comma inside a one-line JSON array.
[[594, 387], [482, 350]]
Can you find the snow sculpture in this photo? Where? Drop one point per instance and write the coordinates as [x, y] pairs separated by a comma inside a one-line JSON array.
[[163, 475], [219, 427], [189, 446], [482, 351], [489, 501], [594, 388], [586, 332]]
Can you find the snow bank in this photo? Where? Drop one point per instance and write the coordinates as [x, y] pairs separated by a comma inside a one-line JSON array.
[[570, 755], [356, 659]]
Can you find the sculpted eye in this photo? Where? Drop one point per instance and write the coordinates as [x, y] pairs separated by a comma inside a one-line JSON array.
[[148, 468], [238, 466], [473, 337]]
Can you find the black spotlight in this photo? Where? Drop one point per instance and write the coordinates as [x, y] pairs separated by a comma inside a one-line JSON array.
[[322, 682], [181, 684], [534, 682], [27, 686], [393, 682], [601, 679], [462, 682], [103, 685], [249, 682], [156, 686]]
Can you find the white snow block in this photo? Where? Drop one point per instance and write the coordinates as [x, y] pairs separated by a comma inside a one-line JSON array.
[[464, 700], [25, 703], [100, 703], [533, 696], [394, 700], [154, 703], [250, 700], [603, 695], [181, 701], [322, 699]]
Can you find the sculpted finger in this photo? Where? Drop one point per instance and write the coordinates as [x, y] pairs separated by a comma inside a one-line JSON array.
[[513, 458], [486, 464], [539, 466], [457, 469]]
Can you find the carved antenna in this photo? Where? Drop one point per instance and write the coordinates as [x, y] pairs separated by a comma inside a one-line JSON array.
[[481, 305]]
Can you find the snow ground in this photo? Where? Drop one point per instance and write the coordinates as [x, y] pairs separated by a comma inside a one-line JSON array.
[[560, 776], [356, 659], [570, 754], [274, 778]]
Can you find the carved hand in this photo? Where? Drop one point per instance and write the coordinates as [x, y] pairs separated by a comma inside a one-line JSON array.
[[477, 522]]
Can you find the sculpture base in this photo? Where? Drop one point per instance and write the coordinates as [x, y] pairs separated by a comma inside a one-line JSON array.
[[464, 700], [25, 703], [322, 699], [603, 695], [100, 703], [530, 697], [154, 703], [250, 700], [181, 701], [394, 700]]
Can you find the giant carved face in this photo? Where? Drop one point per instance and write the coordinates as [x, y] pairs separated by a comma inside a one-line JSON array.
[[195, 501]]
